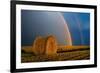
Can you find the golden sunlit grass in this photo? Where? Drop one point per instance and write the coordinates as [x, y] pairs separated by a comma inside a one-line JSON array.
[[72, 48], [64, 53], [60, 48], [27, 49]]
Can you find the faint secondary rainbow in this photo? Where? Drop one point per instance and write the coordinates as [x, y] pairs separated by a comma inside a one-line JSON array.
[[69, 39], [80, 29]]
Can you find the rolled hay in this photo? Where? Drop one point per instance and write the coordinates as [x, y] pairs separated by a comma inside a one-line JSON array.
[[39, 46], [51, 45]]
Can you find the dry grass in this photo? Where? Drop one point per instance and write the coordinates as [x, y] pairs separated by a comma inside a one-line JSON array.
[[71, 48], [77, 53], [28, 49]]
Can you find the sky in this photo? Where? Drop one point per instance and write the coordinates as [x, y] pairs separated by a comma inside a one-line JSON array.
[[44, 23], [79, 26]]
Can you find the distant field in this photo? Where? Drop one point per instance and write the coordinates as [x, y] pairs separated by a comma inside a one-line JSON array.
[[64, 53], [28, 49]]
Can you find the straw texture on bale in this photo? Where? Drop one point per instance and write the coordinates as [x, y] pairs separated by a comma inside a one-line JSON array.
[[39, 46], [47, 45], [51, 45]]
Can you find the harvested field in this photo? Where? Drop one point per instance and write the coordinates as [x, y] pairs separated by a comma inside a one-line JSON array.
[[65, 54]]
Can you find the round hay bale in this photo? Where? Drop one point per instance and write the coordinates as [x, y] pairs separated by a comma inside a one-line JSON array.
[[51, 45], [39, 46]]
